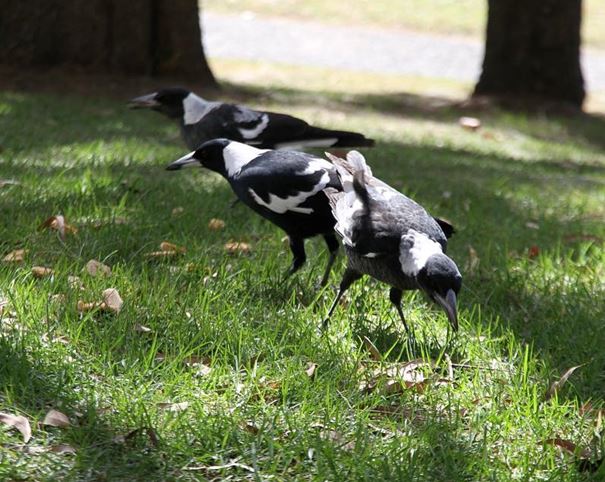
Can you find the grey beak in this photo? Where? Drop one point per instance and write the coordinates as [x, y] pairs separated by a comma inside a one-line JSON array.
[[449, 305], [143, 102], [182, 162]]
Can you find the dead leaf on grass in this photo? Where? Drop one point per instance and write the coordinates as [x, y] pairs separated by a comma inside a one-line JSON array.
[[533, 252], [469, 123], [250, 427], [310, 370], [554, 387], [16, 256], [167, 250], [55, 418], [237, 247], [568, 446], [473, 260], [41, 271], [177, 211], [64, 449], [59, 224], [112, 300], [96, 268], [142, 328], [216, 224], [19, 422], [173, 407]]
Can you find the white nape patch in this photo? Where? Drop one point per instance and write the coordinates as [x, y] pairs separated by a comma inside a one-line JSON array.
[[291, 203], [316, 165], [414, 250], [255, 131], [196, 108], [294, 145], [371, 255], [237, 155]]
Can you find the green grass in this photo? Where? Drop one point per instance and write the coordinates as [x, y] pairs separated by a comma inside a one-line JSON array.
[[464, 17], [520, 181]]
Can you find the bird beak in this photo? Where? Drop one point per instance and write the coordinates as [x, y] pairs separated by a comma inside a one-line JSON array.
[[143, 102], [449, 305], [182, 162]]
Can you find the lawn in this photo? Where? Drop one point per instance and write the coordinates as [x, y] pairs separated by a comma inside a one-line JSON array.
[[462, 17], [215, 369]]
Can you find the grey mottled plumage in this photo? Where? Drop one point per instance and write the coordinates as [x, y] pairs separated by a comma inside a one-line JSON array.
[[392, 238]]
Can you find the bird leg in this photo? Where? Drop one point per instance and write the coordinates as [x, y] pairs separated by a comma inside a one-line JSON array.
[[332, 243], [297, 246], [395, 296], [348, 278]]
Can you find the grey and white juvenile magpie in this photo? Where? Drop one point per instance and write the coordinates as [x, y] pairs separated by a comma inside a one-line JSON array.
[[285, 187], [202, 120], [392, 238]]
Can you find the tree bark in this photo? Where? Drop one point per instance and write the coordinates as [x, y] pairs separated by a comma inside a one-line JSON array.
[[532, 51], [144, 37]]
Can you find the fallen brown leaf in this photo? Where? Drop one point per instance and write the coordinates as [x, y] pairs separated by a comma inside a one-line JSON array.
[[112, 300], [63, 449], [142, 328], [473, 260], [173, 407], [19, 422], [469, 123], [54, 418], [533, 252], [59, 224], [41, 271], [310, 370], [250, 427], [554, 387], [96, 268], [83, 306], [568, 446], [170, 247], [16, 256], [177, 211], [216, 224], [235, 247]]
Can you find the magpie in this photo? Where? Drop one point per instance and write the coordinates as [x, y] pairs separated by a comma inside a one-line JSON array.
[[202, 120], [392, 238], [285, 187]]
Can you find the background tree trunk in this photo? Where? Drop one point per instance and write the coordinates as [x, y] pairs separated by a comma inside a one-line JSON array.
[[532, 51], [144, 37]]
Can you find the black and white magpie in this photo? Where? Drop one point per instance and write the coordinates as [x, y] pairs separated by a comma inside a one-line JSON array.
[[392, 238], [202, 120], [285, 187]]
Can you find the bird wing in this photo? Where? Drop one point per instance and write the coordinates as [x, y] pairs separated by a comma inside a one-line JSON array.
[[285, 181], [371, 216]]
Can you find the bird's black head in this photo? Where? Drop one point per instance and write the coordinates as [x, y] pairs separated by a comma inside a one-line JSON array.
[[208, 155], [168, 101], [442, 281]]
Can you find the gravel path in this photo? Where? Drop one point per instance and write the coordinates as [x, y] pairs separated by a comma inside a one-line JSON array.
[[246, 36]]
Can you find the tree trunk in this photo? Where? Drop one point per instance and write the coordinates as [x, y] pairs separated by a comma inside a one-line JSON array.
[[532, 51], [144, 37]]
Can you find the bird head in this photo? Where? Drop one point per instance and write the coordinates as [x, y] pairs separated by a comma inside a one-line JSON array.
[[169, 101], [435, 273], [208, 155]]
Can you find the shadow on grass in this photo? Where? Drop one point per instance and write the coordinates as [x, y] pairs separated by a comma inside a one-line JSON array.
[[587, 127], [491, 201]]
